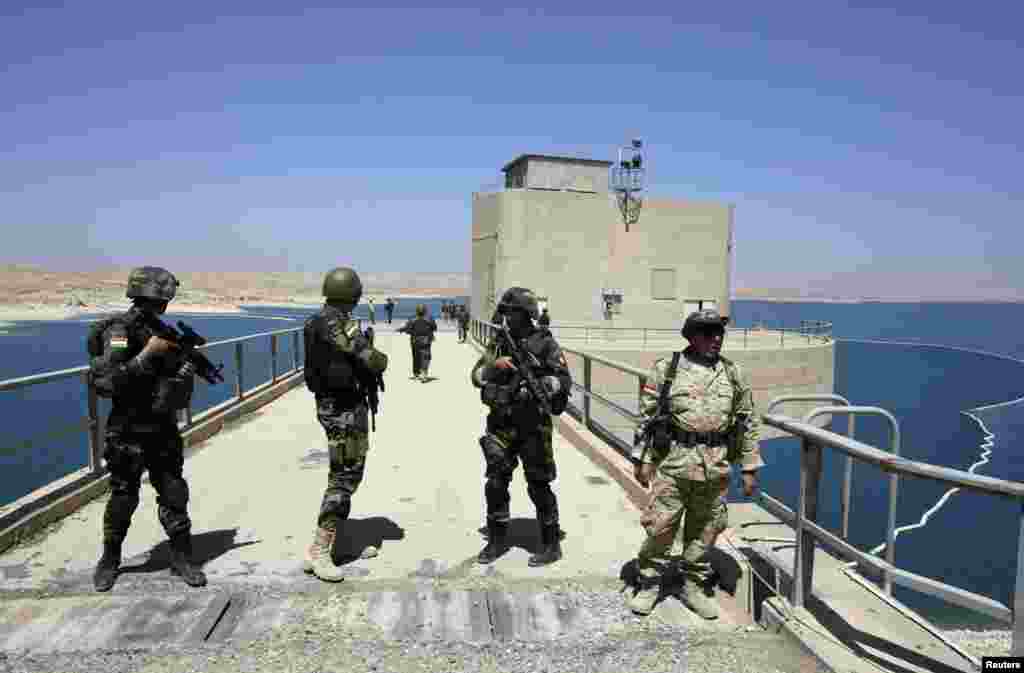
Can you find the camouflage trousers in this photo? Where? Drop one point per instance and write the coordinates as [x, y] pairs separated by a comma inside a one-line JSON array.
[[420, 359], [503, 447], [698, 509], [347, 443], [128, 454]]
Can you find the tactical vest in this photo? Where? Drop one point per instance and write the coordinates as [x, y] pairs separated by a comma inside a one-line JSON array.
[[326, 369]]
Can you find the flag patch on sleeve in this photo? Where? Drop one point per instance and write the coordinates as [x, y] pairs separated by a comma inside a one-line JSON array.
[[119, 342]]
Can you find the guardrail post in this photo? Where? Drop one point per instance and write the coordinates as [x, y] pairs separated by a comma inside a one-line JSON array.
[[95, 438], [807, 509], [844, 506], [273, 358], [295, 351], [645, 337], [1017, 644], [586, 394], [746, 331], [239, 389], [642, 380]]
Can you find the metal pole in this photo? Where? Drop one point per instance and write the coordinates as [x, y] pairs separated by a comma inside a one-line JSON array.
[[295, 350], [745, 331], [1017, 644], [847, 480], [803, 563], [642, 380], [894, 489], [645, 337], [586, 395], [239, 389], [273, 358], [95, 438], [188, 415]]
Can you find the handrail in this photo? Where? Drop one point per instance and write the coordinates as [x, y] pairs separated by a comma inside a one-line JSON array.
[[814, 439], [808, 531], [808, 331], [186, 420]]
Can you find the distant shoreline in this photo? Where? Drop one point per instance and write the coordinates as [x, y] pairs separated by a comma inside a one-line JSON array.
[[806, 300]]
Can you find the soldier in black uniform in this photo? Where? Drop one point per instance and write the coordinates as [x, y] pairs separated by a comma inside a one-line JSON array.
[[341, 365], [148, 381], [517, 429], [463, 317], [421, 331], [390, 309]]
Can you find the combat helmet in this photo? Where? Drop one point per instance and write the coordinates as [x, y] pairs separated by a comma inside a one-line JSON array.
[[151, 282], [708, 317], [519, 298], [343, 285], [421, 310]]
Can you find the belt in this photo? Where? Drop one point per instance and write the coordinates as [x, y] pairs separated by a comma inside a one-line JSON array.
[[693, 438]]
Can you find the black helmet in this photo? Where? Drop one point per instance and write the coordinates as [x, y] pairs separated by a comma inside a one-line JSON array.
[[519, 298], [708, 317], [343, 284], [151, 282]]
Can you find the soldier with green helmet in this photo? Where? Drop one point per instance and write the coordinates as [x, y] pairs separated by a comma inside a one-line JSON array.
[[421, 330], [340, 369], [712, 425], [148, 380], [517, 428]]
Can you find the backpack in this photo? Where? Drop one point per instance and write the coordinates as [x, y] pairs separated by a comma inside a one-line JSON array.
[[100, 371]]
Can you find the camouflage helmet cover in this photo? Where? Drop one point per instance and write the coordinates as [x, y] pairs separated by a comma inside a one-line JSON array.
[[421, 310], [708, 317], [343, 284], [151, 282], [519, 298]]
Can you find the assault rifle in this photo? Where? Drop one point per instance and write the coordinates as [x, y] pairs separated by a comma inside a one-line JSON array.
[[189, 342], [656, 432], [525, 361]]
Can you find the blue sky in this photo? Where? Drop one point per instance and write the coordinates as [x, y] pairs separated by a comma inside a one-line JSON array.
[[867, 150]]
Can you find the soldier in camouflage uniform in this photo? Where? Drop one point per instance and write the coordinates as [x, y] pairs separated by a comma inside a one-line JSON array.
[[713, 425], [517, 429], [148, 381], [341, 365]]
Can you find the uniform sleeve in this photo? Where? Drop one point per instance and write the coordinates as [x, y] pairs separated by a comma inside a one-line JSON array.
[[748, 427], [649, 393], [484, 369], [557, 366], [124, 369]]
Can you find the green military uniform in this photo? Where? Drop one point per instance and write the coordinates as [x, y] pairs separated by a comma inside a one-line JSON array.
[[714, 426], [340, 366]]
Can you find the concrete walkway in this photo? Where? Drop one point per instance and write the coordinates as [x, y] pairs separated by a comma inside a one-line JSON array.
[[256, 489]]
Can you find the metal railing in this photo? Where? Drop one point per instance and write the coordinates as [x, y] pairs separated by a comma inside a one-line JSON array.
[[809, 331], [187, 419], [804, 520]]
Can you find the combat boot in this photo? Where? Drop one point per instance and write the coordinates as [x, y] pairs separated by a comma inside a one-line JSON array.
[[497, 544], [694, 597], [647, 593], [551, 547], [109, 564], [318, 557], [181, 561]]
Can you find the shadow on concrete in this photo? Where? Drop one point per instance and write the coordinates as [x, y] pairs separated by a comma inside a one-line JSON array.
[[523, 533], [355, 535], [205, 547]]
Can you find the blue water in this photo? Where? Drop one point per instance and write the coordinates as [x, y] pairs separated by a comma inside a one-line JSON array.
[[971, 541]]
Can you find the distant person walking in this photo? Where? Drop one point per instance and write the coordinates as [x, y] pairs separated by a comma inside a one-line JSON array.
[[544, 320], [373, 311], [389, 308], [421, 331], [463, 318]]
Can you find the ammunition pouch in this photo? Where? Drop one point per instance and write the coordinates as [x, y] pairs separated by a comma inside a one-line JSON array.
[[373, 360], [422, 341], [173, 393], [495, 395]]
